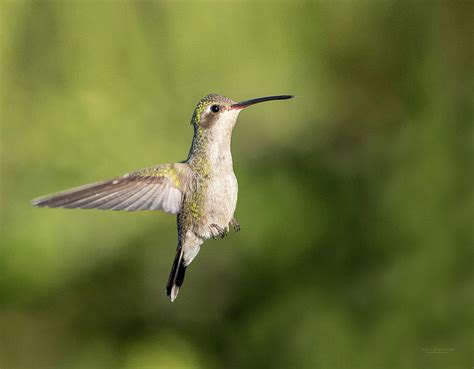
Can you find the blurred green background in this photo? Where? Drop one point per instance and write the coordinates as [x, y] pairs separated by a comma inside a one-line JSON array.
[[356, 198]]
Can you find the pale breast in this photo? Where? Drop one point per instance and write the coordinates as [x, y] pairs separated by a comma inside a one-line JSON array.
[[219, 204], [222, 199]]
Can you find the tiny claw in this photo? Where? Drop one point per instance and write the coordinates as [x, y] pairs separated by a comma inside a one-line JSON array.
[[235, 224], [221, 232]]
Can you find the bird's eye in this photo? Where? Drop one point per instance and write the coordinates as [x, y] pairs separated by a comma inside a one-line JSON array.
[[215, 108]]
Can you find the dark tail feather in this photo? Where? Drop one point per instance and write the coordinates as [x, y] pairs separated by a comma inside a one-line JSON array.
[[176, 277]]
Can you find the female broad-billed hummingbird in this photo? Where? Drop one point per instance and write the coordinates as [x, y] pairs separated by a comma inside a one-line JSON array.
[[202, 190]]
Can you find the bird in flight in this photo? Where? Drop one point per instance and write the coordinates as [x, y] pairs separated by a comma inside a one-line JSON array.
[[201, 191]]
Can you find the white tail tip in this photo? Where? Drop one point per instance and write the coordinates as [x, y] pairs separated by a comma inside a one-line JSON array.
[[174, 293]]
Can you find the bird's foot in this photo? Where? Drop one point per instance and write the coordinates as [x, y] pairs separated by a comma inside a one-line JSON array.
[[234, 223], [218, 231]]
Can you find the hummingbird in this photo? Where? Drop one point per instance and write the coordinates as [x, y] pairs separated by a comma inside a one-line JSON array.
[[201, 190]]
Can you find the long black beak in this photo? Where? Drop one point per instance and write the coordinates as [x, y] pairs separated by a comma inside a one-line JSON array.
[[244, 104]]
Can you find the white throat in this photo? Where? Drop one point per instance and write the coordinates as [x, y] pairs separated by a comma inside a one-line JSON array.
[[219, 145]]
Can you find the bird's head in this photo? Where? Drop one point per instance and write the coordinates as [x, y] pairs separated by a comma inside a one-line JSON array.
[[217, 111]]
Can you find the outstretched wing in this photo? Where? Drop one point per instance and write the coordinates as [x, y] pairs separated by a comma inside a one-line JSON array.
[[157, 188]]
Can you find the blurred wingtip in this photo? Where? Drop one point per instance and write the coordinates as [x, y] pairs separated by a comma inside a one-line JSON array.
[[38, 202]]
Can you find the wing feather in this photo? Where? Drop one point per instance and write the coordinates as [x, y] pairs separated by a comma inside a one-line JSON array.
[[151, 196], [157, 188], [138, 199]]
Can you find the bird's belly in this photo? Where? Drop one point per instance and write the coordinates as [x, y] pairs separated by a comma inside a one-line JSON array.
[[220, 202]]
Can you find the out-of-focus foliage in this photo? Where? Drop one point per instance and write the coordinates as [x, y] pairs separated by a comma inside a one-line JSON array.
[[356, 198]]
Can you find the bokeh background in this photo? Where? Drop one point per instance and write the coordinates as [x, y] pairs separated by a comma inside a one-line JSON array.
[[356, 198]]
